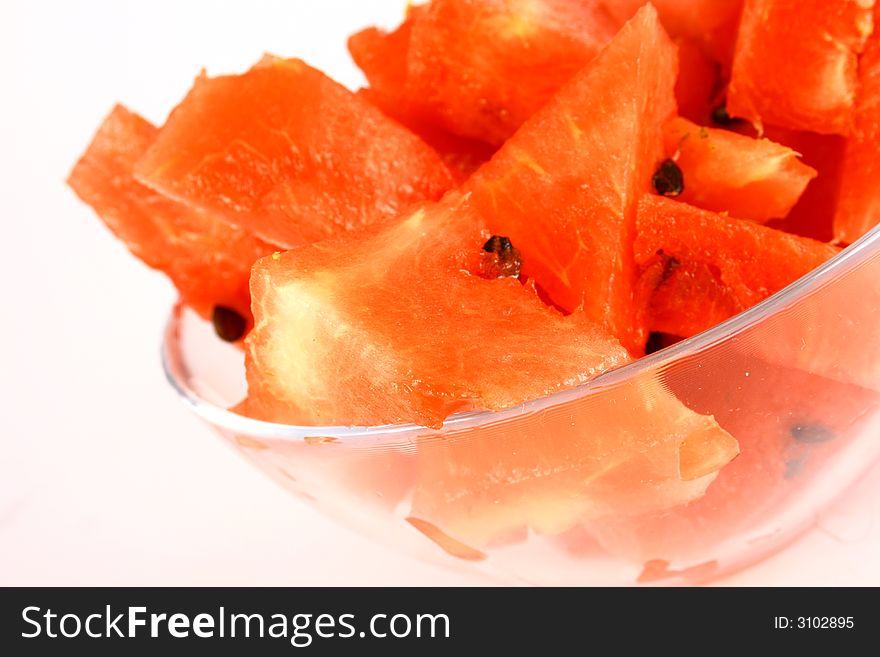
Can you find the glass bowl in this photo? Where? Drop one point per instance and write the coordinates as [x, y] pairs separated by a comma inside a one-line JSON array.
[[526, 496]]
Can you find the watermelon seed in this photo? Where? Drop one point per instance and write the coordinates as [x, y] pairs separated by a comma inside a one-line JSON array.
[[811, 433], [498, 244], [654, 344], [228, 324], [657, 341], [668, 179], [720, 116], [500, 258]]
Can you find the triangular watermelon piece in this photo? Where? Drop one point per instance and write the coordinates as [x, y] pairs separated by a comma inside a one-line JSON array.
[[208, 259], [479, 69], [565, 187], [401, 326], [724, 171], [290, 155], [703, 265]]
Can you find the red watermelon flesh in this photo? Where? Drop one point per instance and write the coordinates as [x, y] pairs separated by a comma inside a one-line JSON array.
[[795, 63], [858, 209], [632, 449], [292, 156], [696, 85], [207, 259], [748, 262], [683, 298], [564, 188], [399, 327], [710, 23], [382, 57], [381, 54], [723, 171], [461, 155], [813, 214], [788, 424], [479, 68]]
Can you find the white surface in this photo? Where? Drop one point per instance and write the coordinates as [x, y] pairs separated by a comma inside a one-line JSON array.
[[104, 477]]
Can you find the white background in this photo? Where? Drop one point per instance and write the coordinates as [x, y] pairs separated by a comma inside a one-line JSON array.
[[104, 477]]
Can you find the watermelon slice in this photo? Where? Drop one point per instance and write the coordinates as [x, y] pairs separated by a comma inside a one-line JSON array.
[[400, 326], [788, 424], [479, 69], [290, 155], [207, 259], [631, 450], [564, 188], [461, 155], [858, 209], [712, 24], [723, 171], [795, 63], [382, 57], [734, 263]]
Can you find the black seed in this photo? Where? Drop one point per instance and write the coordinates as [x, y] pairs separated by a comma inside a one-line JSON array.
[[500, 258], [668, 179], [658, 341], [655, 343], [228, 324], [721, 117], [811, 433], [498, 244]]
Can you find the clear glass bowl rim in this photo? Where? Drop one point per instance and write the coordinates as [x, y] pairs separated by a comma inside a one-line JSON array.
[[177, 374]]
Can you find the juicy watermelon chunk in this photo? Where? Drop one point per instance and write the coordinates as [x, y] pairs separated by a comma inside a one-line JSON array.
[[749, 262], [726, 172], [461, 155], [640, 450], [564, 188], [290, 155], [788, 424], [858, 209], [479, 68], [795, 63], [399, 327], [382, 57], [207, 259], [710, 23]]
